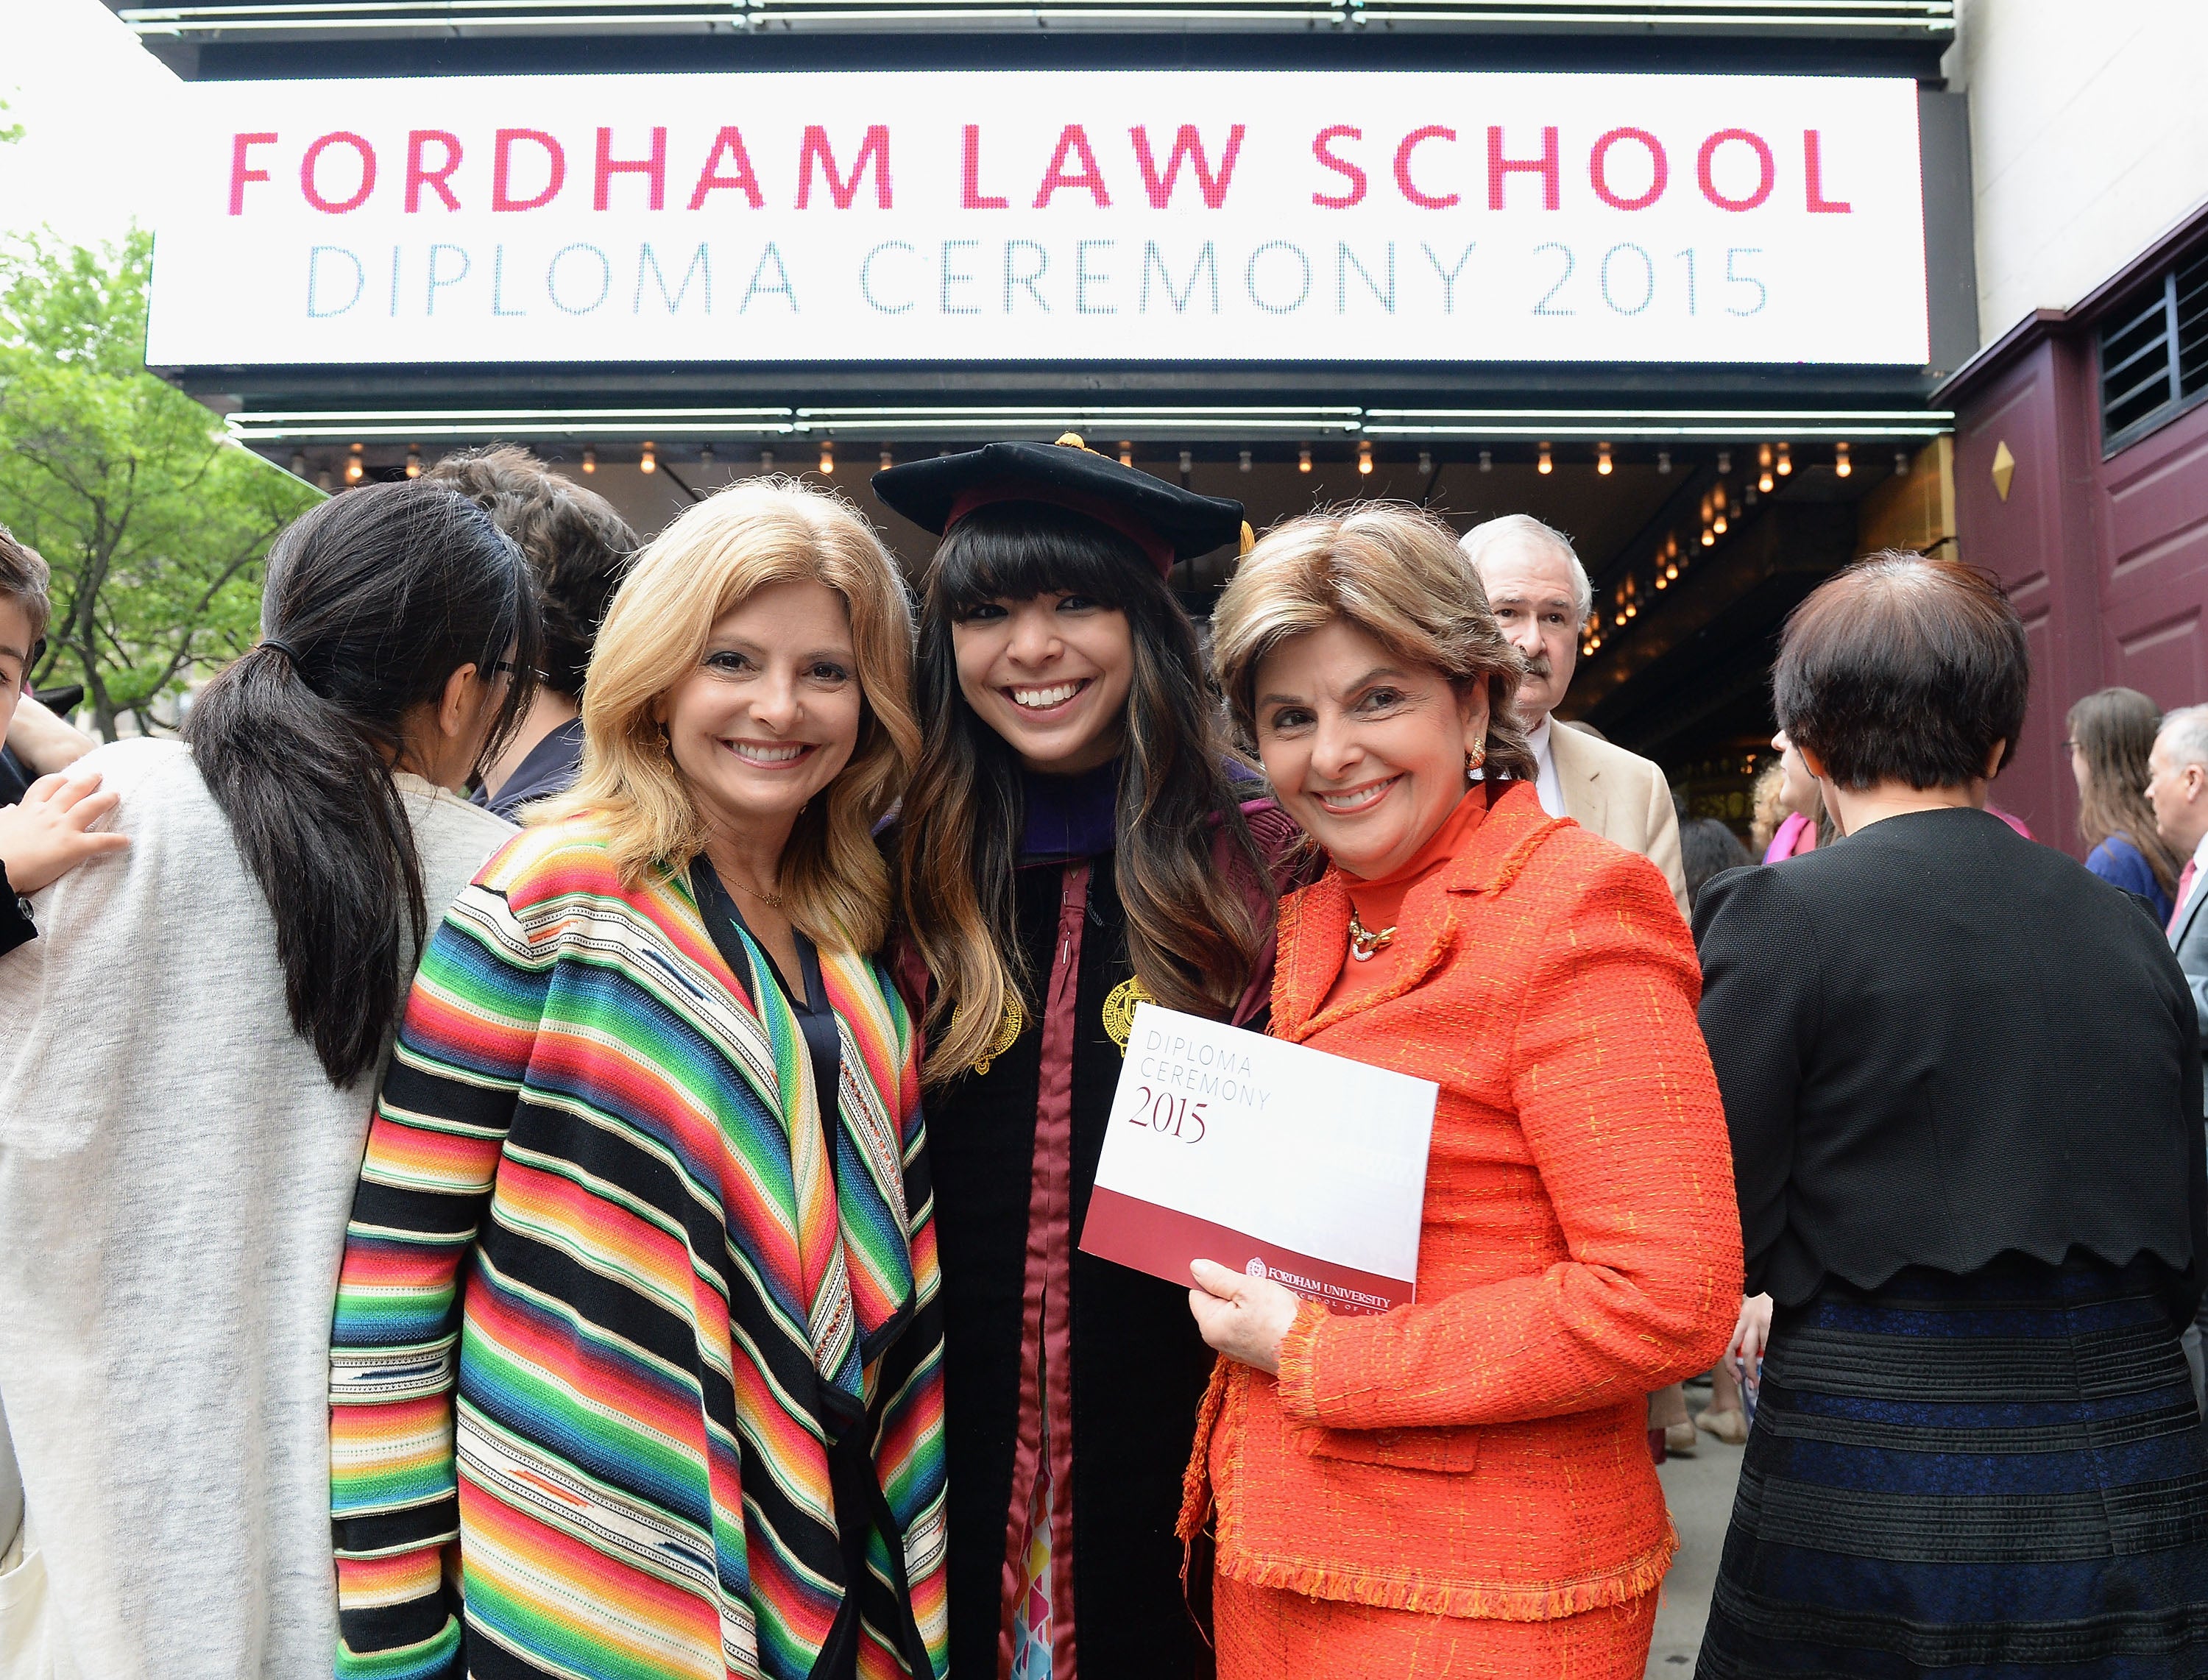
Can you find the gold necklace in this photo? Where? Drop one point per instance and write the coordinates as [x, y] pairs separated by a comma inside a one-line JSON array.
[[1364, 942], [772, 900]]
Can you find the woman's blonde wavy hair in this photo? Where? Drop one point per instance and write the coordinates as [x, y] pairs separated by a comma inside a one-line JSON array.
[[1393, 571], [716, 554]]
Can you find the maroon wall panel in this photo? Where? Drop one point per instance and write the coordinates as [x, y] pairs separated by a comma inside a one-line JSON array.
[[2106, 560], [2152, 516], [2031, 542]]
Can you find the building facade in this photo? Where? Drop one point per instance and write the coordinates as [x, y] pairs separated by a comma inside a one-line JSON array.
[[1683, 280], [2080, 450]]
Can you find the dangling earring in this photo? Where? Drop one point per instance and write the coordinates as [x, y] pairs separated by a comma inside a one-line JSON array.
[[1474, 759]]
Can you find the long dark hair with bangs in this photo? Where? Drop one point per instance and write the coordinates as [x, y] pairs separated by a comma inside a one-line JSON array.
[[1191, 938], [372, 600]]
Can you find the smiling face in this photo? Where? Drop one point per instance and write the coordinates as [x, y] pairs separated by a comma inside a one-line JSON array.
[[1050, 675], [1531, 589], [771, 715], [1365, 751]]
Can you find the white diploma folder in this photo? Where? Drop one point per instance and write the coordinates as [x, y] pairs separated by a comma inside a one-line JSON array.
[[1278, 1160]]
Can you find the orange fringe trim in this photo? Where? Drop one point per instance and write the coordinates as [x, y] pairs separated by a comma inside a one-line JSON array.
[[1415, 1592], [1195, 1476], [1299, 1377]]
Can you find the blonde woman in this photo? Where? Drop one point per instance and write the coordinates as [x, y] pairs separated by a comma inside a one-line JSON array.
[[644, 1217]]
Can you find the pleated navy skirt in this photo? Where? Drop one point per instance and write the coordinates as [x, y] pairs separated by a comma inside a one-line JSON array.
[[1994, 1477]]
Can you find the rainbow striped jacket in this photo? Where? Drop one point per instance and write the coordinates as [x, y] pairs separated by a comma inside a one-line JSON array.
[[606, 1303]]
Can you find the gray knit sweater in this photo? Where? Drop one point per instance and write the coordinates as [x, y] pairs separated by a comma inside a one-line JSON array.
[[176, 1174]]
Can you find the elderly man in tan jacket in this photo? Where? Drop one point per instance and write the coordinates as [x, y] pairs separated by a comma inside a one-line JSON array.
[[1540, 596]]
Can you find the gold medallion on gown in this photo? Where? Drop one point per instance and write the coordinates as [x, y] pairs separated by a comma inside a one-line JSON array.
[[1119, 1010]]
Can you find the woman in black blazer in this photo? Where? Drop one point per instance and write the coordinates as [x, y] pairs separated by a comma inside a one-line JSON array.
[[1963, 1080]]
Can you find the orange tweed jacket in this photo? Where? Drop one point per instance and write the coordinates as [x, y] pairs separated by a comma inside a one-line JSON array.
[[1483, 1452]]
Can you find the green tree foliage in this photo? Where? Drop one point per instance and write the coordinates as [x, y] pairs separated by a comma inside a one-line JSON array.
[[154, 523]]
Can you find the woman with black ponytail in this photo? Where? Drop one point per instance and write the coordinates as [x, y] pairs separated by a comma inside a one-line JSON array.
[[192, 1046], [1078, 838]]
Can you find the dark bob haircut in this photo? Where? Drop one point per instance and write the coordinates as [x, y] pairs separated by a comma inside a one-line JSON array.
[[578, 547], [1904, 668]]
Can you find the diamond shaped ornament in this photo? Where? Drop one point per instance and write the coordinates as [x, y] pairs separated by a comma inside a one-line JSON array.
[[2004, 469]]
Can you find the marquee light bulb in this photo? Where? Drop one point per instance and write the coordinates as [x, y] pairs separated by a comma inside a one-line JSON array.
[[1841, 465], [1786, 460], [1764, 481], [1664, 462], [1901, 463], [889, 459], [322, 481], [705, 457], [1725, 461], [413, 462], [1718, 524], [354, 469], [1187, 462], [1546, 463], [827, 457], [1426, 462], [1487, 461], [1303, 458], [1602, 460], [590, 459], [1709, 540], [298, 464], [766, 460], [1621, 621], [1243, 461], [1673, 570], [1126, 454], [650, 461], [1662, 582], [1365, 458]]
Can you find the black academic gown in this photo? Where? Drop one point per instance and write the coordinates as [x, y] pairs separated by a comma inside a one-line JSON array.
[[1047, 1350]]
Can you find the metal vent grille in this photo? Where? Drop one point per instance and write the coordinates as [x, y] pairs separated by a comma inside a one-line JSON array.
[[2190, 308], [2154, 360]]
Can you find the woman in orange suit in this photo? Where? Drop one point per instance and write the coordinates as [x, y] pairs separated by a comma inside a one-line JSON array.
[[1461, 1487]]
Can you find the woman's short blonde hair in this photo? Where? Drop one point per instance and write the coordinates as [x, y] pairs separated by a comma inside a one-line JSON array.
[[1394, 572], [721, 551]]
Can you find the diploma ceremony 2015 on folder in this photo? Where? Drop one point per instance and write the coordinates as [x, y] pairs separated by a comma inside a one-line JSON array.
[[1281, 1161]]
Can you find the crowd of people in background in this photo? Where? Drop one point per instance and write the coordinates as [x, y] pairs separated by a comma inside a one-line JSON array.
[[644, 1242]]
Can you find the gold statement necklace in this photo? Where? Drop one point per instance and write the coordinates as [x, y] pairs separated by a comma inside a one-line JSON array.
[[1364, 942]]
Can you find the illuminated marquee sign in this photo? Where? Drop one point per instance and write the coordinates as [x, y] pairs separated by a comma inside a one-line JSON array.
[[1045, 216]]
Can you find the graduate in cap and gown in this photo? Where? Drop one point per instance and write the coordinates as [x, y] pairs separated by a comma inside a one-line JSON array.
[[1077, 837]]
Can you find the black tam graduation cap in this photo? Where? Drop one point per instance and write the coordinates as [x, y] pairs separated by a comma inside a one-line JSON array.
[[1164, 521]]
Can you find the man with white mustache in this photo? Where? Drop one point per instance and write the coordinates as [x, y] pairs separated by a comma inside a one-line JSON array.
[[1540, 596]]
